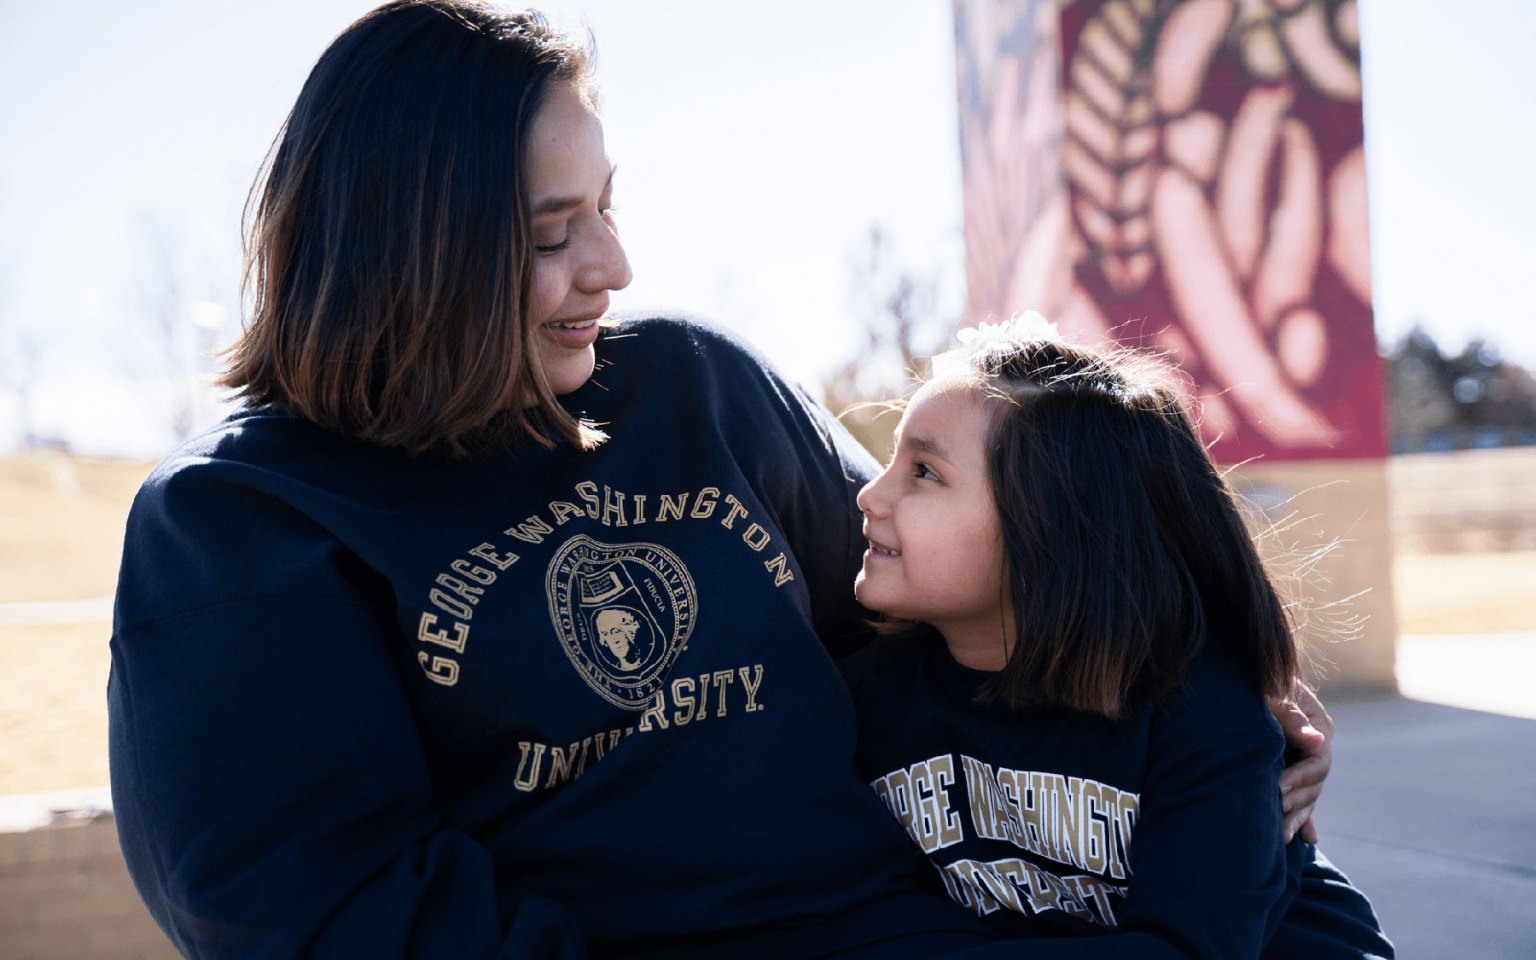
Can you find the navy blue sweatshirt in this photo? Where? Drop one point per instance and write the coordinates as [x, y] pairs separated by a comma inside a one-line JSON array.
[[1034, 819], [370, 705]]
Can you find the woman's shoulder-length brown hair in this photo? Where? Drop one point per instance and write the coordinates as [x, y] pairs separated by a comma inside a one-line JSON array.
[[388, 248]]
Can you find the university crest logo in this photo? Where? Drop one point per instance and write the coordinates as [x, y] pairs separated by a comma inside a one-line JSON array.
[[623, 613]]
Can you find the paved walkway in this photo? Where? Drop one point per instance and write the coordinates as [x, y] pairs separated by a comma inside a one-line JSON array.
[[1431, 810]]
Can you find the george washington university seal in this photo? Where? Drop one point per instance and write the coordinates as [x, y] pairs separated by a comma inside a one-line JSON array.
[[623, 613]]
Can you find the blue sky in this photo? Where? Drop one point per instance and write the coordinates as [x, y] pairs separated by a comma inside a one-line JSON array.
[[756, 146]]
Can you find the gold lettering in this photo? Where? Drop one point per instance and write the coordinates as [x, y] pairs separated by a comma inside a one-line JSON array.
[[779, 567], [703, 710], [531, 530], [614, 736], [587, 491], [1064, 823], [613, 507], [1125, 826], [900, 798], [1010, 785], [704, 504], [682, 695], [478, 574], [426, 634], [958, 891], [469, 593], [655, 710], [943, 770], [1031, 809], [974, 875], [439, 669], [1090, 826], [639, 509], [452, 606], [756, 537], [750, 682], [1045, 890], [737, 510], [982, 790], [671, 508], [487, 553], [723, 679], [564, 766], [563, 510], [998, 888], [1097, 898], [882, 790], [922, 806], [529, 781]]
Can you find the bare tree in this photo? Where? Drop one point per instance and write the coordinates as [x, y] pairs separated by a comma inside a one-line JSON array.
[[900, 326], [21, 352], [161, 302]]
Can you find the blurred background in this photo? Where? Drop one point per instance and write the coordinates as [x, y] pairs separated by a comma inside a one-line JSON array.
[[794, 173]]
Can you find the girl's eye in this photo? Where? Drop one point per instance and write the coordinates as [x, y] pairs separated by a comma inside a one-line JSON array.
[[924, 472], [553, 247]]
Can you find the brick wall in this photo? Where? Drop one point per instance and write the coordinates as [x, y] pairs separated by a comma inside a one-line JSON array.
[[65, 894]]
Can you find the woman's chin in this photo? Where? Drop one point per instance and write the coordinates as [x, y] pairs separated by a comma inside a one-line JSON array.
[[568, 370]]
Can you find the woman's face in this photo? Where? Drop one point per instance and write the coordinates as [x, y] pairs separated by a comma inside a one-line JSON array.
[[577, 257]]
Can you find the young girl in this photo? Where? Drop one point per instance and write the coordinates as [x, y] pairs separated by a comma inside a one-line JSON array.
[[1074, 683]]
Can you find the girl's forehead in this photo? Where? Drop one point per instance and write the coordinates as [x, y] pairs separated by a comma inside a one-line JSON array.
[[949, 390], [958, 409]]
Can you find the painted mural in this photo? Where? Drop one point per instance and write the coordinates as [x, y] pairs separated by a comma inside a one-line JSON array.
[[1186, 176]]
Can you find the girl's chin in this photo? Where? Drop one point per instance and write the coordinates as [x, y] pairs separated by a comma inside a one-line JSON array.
[[869, 597]]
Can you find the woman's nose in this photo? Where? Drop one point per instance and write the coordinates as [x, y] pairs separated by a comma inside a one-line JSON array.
[[607, 268]]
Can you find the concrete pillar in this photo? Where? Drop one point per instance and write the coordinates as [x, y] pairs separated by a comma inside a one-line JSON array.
[[1348, 627]]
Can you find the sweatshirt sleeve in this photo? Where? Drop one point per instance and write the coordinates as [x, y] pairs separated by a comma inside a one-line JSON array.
[[272, 793], [823, 522], [1211, 877], [810, 468]]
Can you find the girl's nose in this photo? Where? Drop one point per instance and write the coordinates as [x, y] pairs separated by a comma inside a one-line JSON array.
[[869, 500]]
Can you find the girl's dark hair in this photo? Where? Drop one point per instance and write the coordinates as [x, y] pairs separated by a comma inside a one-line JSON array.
[[388, 245], [1124, 547]]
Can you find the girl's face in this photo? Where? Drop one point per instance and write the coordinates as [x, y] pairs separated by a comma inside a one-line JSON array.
[[577, 257], [935, 548]]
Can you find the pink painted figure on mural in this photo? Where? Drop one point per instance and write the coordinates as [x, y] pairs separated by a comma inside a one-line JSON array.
[[1211, 165]]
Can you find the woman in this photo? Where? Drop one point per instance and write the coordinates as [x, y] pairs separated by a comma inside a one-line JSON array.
[[490, 627]]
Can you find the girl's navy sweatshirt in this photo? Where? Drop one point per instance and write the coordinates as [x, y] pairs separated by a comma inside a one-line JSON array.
[[1154, 835]]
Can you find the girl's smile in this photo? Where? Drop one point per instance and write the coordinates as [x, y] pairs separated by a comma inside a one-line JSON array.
[[935, 547]]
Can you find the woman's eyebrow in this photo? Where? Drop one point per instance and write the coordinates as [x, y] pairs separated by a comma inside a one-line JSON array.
[[561, 204]]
